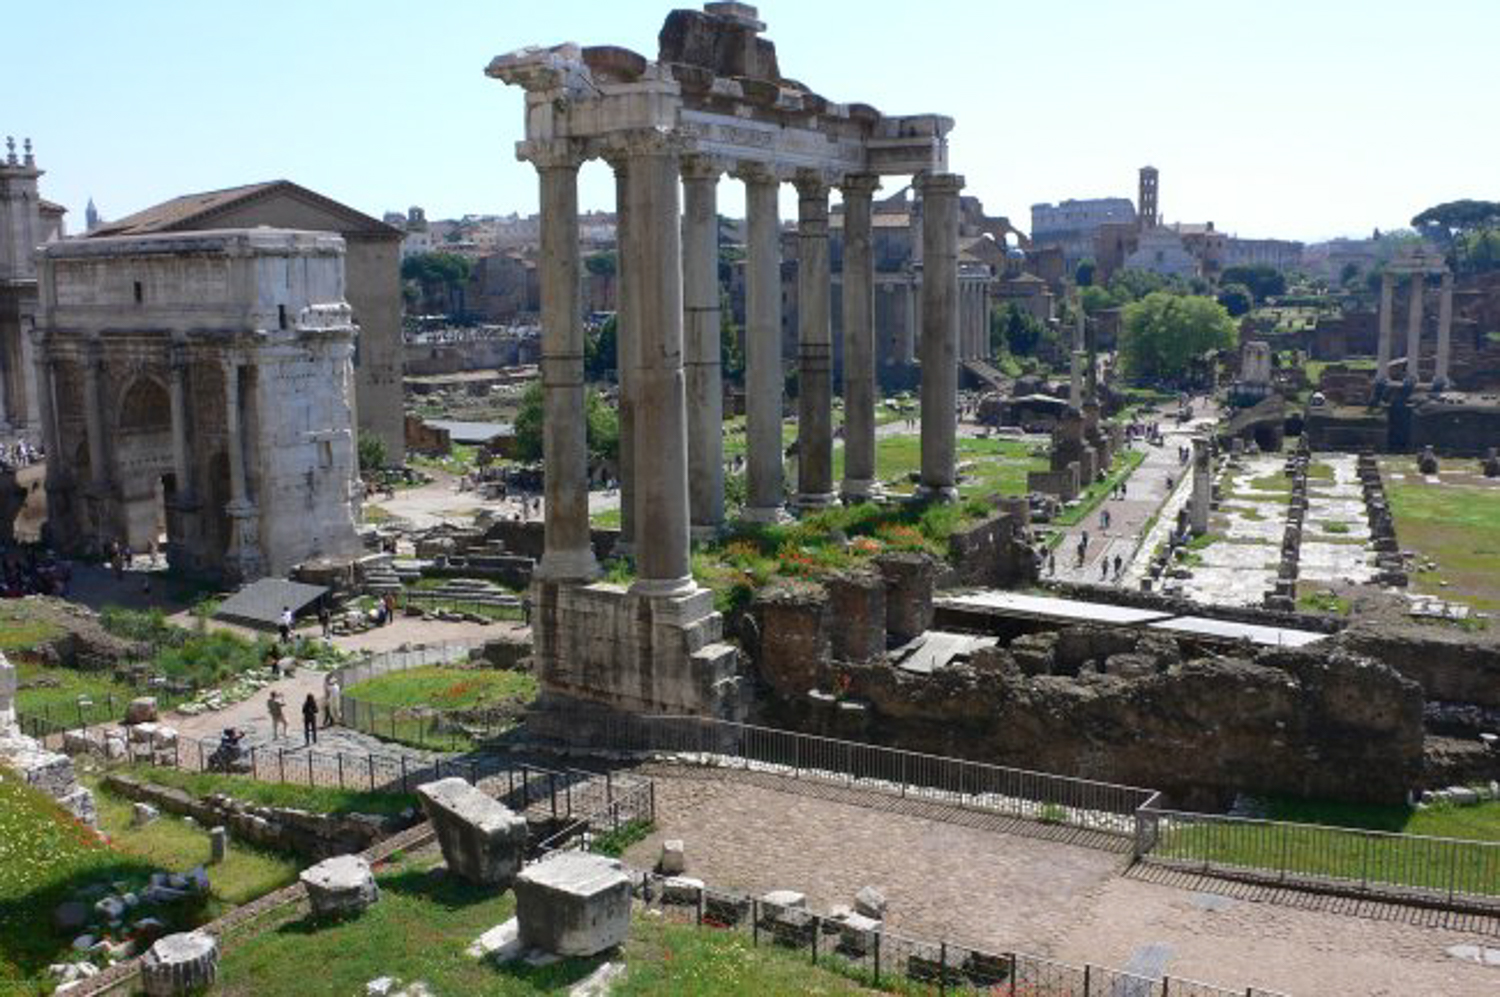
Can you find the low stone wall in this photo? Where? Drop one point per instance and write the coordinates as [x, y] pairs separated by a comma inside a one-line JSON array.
[[1120, 706], [1455, 668], [526, 539], [315, 836], [991, 554]]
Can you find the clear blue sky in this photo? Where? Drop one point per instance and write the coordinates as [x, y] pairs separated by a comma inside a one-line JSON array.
[[1299, 119]]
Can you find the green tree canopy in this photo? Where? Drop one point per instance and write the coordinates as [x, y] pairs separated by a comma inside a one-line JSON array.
[[1448, 220], [1236, 299], [1097, 299], [1023, 331], [1163, 332], [439, 275], [1084, 276], [601, 350], [1477, 251], [601, 419], [1263, 281]]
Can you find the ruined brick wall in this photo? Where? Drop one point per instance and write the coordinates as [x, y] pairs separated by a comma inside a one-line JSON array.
[[856, 608], [991, 554], [909, 581], [794, 646], [1454, 668]]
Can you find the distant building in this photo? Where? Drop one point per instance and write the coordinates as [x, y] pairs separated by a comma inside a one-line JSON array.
[[27, 220], [1161, 250], [1072, 225]]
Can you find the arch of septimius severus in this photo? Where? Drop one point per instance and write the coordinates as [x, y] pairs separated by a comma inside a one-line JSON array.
[[713, 104]]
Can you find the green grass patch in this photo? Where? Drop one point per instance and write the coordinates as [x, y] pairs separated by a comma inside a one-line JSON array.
[[606, 519], [171, 844], [1314, 841], [1457, 525], [22, 629], [54, 694], [442, 687], [1319, 471], [45, 856], [1335, 526], [613, 843], [315, 799], [1323, 602]]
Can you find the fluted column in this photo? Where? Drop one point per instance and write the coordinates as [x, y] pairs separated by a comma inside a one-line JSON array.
[[859, 338], [701, 349], [1383, 344], [661, 485], [47, 410], [567, 555], [939, 335], [181, 473], [909, 335], [625, 341], [814, 347], [985, 304], [1414, 328], [764, 380], [1445, 332]]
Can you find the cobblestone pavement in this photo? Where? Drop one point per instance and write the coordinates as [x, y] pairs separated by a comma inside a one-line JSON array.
[[1011, 891]]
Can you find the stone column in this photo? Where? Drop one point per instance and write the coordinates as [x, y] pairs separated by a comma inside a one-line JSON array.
[[1445, 332], [233, 445], [909, 333], [985, 350], [661, 485], [701, 353], [47, 408], [567, 555], [814, 347], [939, 335], [625, 339], [94, 419], [764, 381], [1202, 495], [180, 470], [1383, 347], [1414, 328], [859, 338]]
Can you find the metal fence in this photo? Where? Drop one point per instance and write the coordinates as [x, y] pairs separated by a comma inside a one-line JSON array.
[[423, 727], [401, 659], [1064, 800], [52, 719], [1448, 871], [888, 959], [433, 600]]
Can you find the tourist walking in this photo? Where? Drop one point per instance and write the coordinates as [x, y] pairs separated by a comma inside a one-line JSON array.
[[1119, 565], [285, 626], [276, 706], [331, 692], [310, 720], [325, 620]]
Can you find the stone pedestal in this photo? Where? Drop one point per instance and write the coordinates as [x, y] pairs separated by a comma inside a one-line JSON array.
[[939, 336], [482, 840], [573, 904]]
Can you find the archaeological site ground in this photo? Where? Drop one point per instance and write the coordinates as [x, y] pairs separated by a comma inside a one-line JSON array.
[[780, 577]]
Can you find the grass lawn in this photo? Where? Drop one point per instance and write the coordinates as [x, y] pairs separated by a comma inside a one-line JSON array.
[[425, 919], [1457, 525], [446, 688], [1313, 842], [608, 519], [45, 856], [54, 693], [171, 844], [20, 629], [317, 799]]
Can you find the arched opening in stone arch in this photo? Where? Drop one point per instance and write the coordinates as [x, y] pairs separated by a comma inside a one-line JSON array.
[[143, 458]]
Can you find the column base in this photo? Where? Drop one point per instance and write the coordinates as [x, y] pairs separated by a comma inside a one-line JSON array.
[[567, 566], [806, 502], [664, 588], [936, 493], [764, 514], [855, 490], [706, 534]]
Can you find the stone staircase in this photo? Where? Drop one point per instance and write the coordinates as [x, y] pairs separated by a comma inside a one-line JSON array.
[[379, 577]]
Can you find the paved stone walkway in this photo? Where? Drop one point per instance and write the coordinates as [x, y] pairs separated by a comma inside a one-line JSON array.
[[1146, 495]]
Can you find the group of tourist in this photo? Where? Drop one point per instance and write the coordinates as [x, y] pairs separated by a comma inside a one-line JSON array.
[[14, 456]]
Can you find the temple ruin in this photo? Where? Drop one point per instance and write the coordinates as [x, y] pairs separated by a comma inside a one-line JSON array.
[[713, 103]]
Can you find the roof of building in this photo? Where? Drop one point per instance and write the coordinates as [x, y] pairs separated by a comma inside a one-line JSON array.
[[51, 207], [192, 210]]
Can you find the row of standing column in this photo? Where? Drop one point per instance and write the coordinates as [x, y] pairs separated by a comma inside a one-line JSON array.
[[668, 324], [1414, 320], [974, 336]]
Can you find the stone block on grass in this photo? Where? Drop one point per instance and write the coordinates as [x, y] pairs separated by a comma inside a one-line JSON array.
[[483, 840], [181, 964], [340, 886], [573, 904]]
